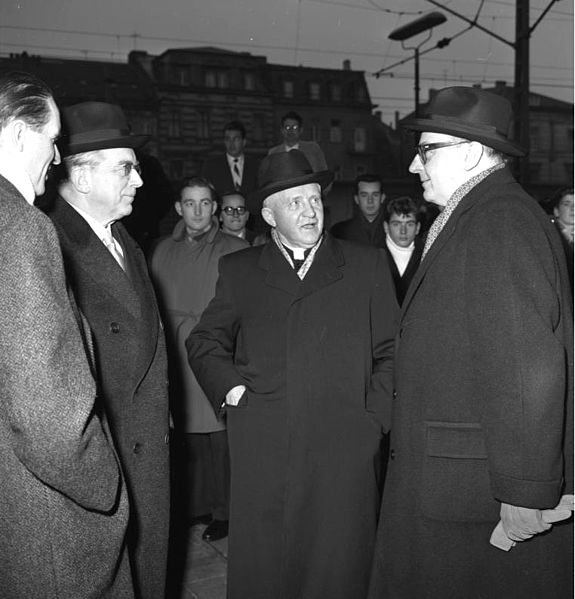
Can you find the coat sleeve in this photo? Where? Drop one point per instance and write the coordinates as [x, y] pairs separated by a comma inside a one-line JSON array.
[[384, 321], [211, 344], [516, 321], [48, 392]]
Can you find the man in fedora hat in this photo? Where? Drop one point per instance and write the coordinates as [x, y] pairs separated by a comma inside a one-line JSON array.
[[108, 275], [296, 347], [482, 424], [63, 500]]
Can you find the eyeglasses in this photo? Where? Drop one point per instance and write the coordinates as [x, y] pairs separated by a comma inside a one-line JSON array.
[[128, 166], [230, 210], [423, 149], [291, 127]]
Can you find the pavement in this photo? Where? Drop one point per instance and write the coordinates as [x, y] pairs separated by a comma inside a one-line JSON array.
[[202, 569]]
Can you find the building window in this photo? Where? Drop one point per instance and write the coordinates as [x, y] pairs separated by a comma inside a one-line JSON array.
[[335, 135], [223, 80], [204, 129], [249, 82], [183, 76], [175, 124], [359, 139], [210, 79], [360, 169], [361, 95], [335, 92], [176, 169], [314, 91], [316, 131], [337, 173], [287, 87]]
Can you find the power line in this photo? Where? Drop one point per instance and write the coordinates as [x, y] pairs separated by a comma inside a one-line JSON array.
[[234, 44]]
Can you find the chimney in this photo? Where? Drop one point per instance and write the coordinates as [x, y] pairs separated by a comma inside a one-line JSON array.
[[377, 115], [432, 93], [347, 64], [500, 86]]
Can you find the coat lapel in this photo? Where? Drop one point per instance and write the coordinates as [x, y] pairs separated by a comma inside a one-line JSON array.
[[93, 256]]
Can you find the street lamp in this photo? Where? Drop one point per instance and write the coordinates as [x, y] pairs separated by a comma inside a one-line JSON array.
[[424, 23]]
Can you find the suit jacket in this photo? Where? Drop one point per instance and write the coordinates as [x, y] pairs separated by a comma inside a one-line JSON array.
[[217, 171], [402, 282], [315, 356], [63, 503], [132, 367], [312, 151], [484, 407], [360, 230]]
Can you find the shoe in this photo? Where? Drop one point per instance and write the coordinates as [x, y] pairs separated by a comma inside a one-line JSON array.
[[215, 531]]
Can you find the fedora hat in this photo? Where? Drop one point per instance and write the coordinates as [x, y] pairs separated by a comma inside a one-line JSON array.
[[470, 113], [96, 126], [285, 170]]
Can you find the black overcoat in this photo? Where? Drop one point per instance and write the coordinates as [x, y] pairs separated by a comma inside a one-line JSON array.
[[483, 391], [315, 356], [132, 368]]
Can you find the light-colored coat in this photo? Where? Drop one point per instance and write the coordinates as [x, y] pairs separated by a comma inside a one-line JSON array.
[[63, 504], [132, 375], [185, 275]]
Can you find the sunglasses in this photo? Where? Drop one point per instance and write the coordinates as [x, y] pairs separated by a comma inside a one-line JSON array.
[[230, 210]]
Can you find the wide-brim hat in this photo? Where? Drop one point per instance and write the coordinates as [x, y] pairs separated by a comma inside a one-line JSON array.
[[471, 113], [96, 126], [285, 170]]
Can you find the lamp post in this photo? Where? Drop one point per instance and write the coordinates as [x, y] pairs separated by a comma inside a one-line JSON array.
[[425, 23]]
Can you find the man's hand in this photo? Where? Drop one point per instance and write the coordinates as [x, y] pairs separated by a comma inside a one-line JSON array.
[[234, 395], [521, 523]]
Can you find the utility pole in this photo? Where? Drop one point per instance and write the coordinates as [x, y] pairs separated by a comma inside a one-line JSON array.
[[521, 125]]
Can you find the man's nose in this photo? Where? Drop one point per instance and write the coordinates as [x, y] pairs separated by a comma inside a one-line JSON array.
[[135, 178], [416, 166]]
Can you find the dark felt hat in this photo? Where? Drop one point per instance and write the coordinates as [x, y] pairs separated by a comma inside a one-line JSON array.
[[96, 126], [470, 113], [285, 170]]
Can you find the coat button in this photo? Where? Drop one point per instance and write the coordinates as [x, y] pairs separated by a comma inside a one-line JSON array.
[[392, 454], [137, 447], [394, 394], [114, 327], [167, 438]]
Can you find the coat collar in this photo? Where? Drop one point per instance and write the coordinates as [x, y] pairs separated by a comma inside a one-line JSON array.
[[78, 237], [474, 198], [325, 269]]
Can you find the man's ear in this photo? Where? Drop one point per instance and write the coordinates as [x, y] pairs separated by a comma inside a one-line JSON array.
[[386, 227], [356, 199], [214, 207], [18, 130], [178, 207], [80, 178], [473, 155], [268, 216]]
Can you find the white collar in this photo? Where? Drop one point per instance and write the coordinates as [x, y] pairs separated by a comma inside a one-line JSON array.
[[103, 233], [12, 170]]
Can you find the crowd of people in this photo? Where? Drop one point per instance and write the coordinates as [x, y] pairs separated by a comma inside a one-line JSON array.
[[372, 411]]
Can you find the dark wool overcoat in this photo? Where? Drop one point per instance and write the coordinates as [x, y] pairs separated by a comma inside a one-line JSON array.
[[132, 370], [483, 394], [315, 357], [63, 504]]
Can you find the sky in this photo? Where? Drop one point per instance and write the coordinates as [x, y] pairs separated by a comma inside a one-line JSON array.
[[315, 33]]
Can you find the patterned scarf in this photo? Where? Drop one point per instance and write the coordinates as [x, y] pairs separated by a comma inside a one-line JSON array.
[[452, 204], [302, 271]]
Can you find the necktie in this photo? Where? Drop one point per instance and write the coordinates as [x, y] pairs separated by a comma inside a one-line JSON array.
[[237, 175], [114, 249]]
